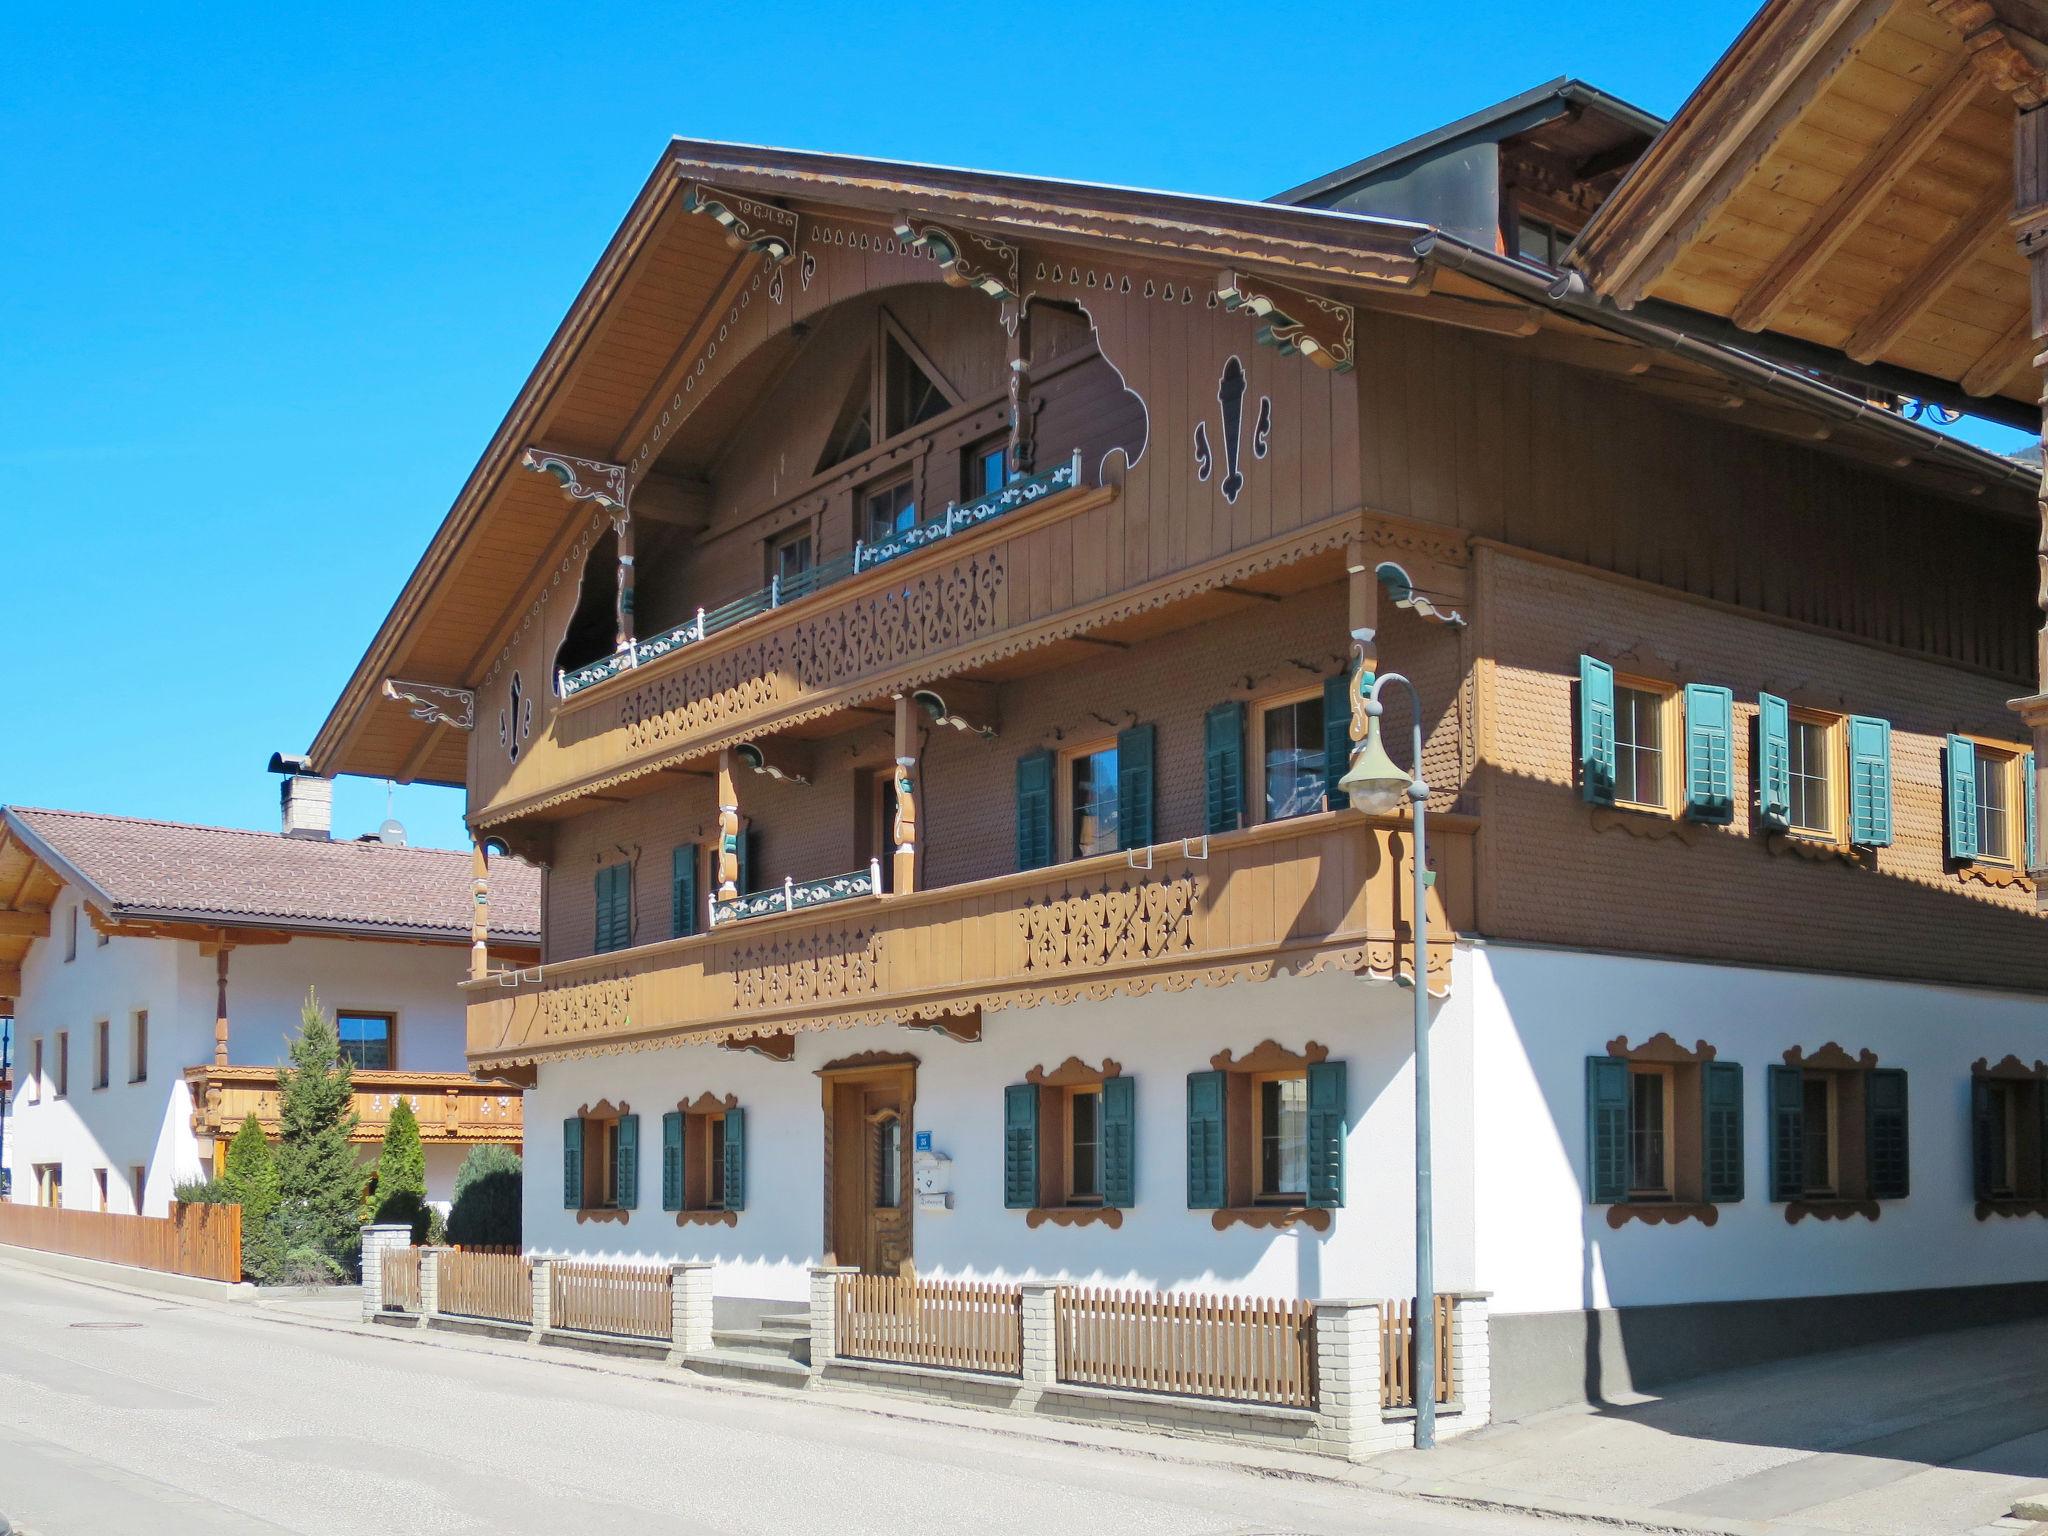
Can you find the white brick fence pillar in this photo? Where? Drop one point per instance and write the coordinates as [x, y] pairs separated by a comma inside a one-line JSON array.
[[543, 1298], [377, 1241], [825, 1311], [1348, 1377], [1472, 1360], [430, 1282], [1041, 1299], [689, 1307]]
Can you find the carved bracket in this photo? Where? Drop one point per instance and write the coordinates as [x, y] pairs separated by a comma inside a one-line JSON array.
[[1072, 1073], [707, 1218], [1817, 851], [1659, 1048], [966, 259], [1401, 591], [1832, 1058], [777, 1047], [1273, 1217], [582, 479], [1318, 329], [749, 223], [1830, 1210], [1074, 1216], [434, 703], [602, 1214], [1665, 1213], [963, 1027], [1645, 824], [708, 1103], [1271, 1056]]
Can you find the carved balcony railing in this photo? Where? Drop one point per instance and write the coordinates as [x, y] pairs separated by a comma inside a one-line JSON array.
[[1331, 890], [799, 895], [958, 518], [450, 1106]]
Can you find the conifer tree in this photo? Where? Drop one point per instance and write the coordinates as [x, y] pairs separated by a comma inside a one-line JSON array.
[[252, 1174], [487, 1198], [319, 1180], [402, 1172]]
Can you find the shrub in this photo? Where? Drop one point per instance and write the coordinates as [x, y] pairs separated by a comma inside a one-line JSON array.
[[319, 1180], [486, 1209], [206, 1192], [402, 1173], [252, 1174]]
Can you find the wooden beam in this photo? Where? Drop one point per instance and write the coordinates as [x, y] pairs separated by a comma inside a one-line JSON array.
[[1985, 222], [10, 981], [1502, 319], [629, 442], [1858, 197], [24, 925], [2003, 358]]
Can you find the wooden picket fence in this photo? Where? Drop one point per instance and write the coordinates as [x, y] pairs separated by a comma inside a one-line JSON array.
[[1397, 1351], [1244, 1349], [401, 1279], [200, 1240], [491, 1285], [962, 1324], [612, 1298]]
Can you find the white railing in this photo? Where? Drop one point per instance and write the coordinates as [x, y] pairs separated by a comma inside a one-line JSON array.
[[799, 895]]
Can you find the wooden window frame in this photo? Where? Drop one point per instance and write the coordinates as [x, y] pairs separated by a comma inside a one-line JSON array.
[[1832, 1190], [776, 543], [1064, 842], [1075, 1198], [1670, 747], [911, 476], [1667, 1075], [973, 455], [71, 933], [1255, 789], [700, 1115], [35, 1073], [138, 1046], [1288, 1199], [138, 1184], [62, 1078], [1241, 1202], [49, 1185], [102, 1054], [2009, 756], [1836, 728], [601, 1159], [102, 1182], [1058, 1087], [390, 1018], [2010, 1090]]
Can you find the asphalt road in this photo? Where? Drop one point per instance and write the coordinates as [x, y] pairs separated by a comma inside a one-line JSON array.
[[124, 1414]]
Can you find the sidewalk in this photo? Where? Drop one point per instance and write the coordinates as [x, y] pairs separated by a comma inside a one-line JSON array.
[[1931, 1437]]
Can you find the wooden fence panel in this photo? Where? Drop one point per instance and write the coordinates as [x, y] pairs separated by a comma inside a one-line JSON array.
[[401, 1279], [960, 1324], [1397, 1352], [611, 1298], [204, 1241], [1245, 1349], [491, 1285]]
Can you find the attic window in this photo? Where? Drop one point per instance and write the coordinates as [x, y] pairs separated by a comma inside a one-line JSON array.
[[913, 396], [854, 432], [904, 393], [1540, 241]]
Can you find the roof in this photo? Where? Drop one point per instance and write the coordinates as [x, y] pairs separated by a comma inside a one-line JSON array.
[[134, 869]]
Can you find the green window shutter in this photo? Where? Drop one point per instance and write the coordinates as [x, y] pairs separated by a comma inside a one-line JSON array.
[[1328, 1123], [1206, 1095], [1034, 810], [628, 1171], [1980, 1138], [1773, 762], [1721, 1130], [1337, 739], [1596, 731], [572, 1164], [682, 889], [1884, 1105], [601, 905], [1961, 777], [1119, 1142], [1134, 781], [1788, 1133], [1870, 782], [672, 1161], [2031, 849], [735, 1159], [1223, 765], [1606, 1130], [1020, 1146], [749, 854], [1709, 754], [614, 907]]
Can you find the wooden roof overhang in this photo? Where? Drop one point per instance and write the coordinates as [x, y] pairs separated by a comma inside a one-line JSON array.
[[1843, 178], [29, 885], [618, 356]]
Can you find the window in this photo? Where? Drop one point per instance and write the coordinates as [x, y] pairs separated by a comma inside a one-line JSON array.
[[887, 1155], [138, 1048], [1994, 805], [35, 1073], [102, 1052], [789, 555], [1094, 797], [1838, 1129], [1084, 1146], [703, 1156], [988, 469], [2001, 1140], [1663, 1126], [71, 934], [1810, 740], [1541, 241], [50, 1184], [63, 1085], [1069, 1139], [368, 1040], [1282, 1139], [1989, 803], [1090, 786], [912, 396], [2007, 1135], [138, 1185], [601, 1159], [1292, 763], [1649, 1123], [1818, 1103], [99, 1183], [888, 510], [1641, 730], [614, 901], [1267, 1129]]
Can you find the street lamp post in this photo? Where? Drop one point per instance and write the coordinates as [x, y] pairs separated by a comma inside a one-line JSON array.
[[1376, 785]]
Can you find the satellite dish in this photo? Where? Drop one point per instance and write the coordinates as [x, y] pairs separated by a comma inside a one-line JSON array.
[[391, 833]]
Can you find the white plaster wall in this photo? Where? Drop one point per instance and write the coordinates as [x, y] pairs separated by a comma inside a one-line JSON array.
[[1537, 1015], [1158, 1039]]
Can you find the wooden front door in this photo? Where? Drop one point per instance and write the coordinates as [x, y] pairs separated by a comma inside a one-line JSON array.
[[868, 1194]]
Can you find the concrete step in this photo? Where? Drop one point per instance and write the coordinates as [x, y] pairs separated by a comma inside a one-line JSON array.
[[764, 1343], [787, 1322], [751, 1365]]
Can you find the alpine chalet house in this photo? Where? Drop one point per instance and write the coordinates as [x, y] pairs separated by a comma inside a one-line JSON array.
[[917, 619], [157, 972]]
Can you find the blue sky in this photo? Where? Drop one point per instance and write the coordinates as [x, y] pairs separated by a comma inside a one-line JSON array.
[[269, 280]]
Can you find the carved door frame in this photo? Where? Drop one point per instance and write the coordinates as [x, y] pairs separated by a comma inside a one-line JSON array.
[[866, 1070]]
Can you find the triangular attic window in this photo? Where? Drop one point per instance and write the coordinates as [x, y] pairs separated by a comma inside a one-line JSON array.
[[853, 433], [914, 396]]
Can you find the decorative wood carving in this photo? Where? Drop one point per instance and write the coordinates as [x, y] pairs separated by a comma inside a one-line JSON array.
[[1666, 1213], [1271, 1056], [603, 1109], [708, 1103], [515, 720], [963, 1027], [582, 479], [707, 1218], [1986, 1209], [1272, 1217], [1831, 1210], [589, 1003], [2010, 1068], [603, 1214], [749, 223], [967, 259], [1110, 925], [868, 1061], [1819, 851], [1992, 875], [1645, 824], [790, 969], [1831, 1058], [1318, 329], [434, 703], [776, 1047], [1074, 1216], [1230, 393], [1659, 1047], [1073, 1073]]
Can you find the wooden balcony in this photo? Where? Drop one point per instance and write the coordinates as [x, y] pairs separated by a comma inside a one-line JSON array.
[[450, 1106], [1322, 891]]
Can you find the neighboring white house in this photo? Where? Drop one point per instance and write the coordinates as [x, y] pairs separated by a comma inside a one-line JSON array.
[[157, 971]]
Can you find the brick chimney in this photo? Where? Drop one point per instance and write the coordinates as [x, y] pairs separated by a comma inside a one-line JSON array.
[[306, 798]]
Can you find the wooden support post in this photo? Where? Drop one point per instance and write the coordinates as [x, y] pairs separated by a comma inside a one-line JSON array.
[[220, 1016], [480, 915], [622, 525], [1022, 449], [1365, 621], [903, 878], [728, 828]]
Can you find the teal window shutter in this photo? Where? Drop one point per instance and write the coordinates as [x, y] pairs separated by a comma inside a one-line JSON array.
[[1788, 1133], [1960, 774], [1983, 1171], [1773, 762], [1606, 1130], [749, 854], [1709, 754], [1206, 1096], [1223, 765], [1119, 1143], [627, 1173], [672, 1161], [1337, 739], [1870, 782], [735, 1159], [1020, 1146], [572, 1164], [682, 887], [2031, 849], [1134, 784], [1034, 810], [1721, 1130], [601, 902], [614, 907], [1328, 1123], [1596, 731], [1884, 1105]]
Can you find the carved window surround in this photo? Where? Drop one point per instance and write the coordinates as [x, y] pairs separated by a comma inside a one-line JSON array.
[[1054, 1132], [696, 1155], [598, 1115], [2011, 1070], [1682, 1136], [1832, 1057], [1274, 1217], [1268, 1057]]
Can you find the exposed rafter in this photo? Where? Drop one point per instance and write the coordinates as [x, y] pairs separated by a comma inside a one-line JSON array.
[[967, 259], [24, 925], [1319, 329], [2003, 358], [750, 223], [1983, 223]]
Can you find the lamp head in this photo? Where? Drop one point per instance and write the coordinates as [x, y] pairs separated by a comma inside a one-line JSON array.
[[1374, 781]]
